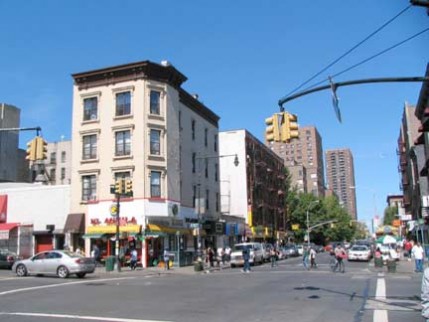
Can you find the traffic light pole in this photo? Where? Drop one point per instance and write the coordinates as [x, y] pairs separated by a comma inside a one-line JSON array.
[[118, 201]]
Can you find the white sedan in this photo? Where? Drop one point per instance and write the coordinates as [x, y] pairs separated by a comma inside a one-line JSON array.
[[359, 253]]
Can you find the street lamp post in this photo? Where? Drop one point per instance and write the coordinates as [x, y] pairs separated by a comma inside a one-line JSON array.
[[308, 222], [198, 204]]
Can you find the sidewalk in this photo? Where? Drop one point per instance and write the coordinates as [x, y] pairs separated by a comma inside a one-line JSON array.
[[151, 271]]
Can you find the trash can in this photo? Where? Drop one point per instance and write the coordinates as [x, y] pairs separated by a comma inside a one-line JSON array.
[[378, 262], [110, 263], [391, 266], [198, 266]]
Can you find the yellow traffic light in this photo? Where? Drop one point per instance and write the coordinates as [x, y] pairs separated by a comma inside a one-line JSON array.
[[129, 187], [272, 132], [119, 186], [31, 150], [41, 148], [289, 127]]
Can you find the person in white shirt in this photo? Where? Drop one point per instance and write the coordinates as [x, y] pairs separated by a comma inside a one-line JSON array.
[[418, 253]]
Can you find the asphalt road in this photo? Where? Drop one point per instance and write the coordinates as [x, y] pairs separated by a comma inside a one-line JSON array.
[[283, 293]]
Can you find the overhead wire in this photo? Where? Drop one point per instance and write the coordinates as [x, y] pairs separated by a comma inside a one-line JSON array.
[[350, 50], [370, 58]]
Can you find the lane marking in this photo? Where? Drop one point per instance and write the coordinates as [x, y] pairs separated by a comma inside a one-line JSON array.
[[19, 290], [380, 294], [79, 317]]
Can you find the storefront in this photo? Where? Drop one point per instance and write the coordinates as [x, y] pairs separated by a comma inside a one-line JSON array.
[[178, 241], [104, 236]]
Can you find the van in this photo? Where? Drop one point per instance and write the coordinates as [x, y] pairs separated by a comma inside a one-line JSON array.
[[256, 254]]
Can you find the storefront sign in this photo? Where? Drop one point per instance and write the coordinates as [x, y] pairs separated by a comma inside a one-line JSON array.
[[3, 209], [111, 229]]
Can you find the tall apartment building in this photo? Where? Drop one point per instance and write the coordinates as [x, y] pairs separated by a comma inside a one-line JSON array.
[[135, 122], [304, 158], [9, 141], [254, 187], [340, 174], [58, 164]]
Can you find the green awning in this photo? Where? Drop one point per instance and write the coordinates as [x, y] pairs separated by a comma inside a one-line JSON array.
[[93, 236]]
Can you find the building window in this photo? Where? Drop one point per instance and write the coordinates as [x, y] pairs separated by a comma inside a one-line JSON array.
[[207, 199], [180, 120], [193, 129], [206, 168], [155, 184], [89, 149], [206, 139], [89, 188], [63, 156], [216, 172], [63, 173], [155, 102], [123, 103], [155, 142], [215, 143], [53, 157], [122, 175], [53, 174], [123, 143], [217, 201], [90, 109], [194, 159]]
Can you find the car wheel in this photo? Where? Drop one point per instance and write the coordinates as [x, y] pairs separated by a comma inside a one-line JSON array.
[[80, 275], [232, 265], [21, 270], [62, 272]]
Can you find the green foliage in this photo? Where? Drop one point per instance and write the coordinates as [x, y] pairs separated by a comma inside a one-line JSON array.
[[326, 210], [389, 215]]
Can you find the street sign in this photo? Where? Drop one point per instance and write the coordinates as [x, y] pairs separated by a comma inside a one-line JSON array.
[[295, 226], [335, 100], [113, 210]]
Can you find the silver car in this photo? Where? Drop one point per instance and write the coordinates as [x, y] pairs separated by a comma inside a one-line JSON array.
[[55, 262]]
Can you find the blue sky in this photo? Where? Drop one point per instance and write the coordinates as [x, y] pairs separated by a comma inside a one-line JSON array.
[[241, 57]]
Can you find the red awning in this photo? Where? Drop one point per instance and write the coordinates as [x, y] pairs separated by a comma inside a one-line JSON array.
[[8, 226]]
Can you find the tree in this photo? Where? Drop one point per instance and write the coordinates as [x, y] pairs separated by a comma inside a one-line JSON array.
[[389, 215]]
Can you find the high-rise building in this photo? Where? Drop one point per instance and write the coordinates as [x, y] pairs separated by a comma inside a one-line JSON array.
[[9, 141], [304, 158], [340, 174]]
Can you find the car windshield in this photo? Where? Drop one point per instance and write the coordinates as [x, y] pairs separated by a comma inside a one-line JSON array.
[[359, 248]]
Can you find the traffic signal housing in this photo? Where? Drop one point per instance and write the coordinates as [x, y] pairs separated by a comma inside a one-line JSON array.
[[289, 127], [41, 148], [129, 187], [272, 132], [31, 150], [119, 186]]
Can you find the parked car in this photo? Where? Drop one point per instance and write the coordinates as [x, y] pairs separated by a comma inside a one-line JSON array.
[[55, 262], [256, 254], [300, 249], [291, 250], [7, 258], [359, 253]]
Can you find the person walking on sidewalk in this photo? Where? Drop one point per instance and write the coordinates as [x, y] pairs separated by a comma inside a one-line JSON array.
[[166, 260], [418, 252]]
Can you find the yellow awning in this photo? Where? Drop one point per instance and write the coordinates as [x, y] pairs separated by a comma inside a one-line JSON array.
[[168, 230]]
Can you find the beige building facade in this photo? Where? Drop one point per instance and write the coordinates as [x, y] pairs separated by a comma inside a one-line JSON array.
[[135, 122]]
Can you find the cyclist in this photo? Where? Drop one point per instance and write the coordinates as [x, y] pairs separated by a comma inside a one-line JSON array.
[[340, 254]]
